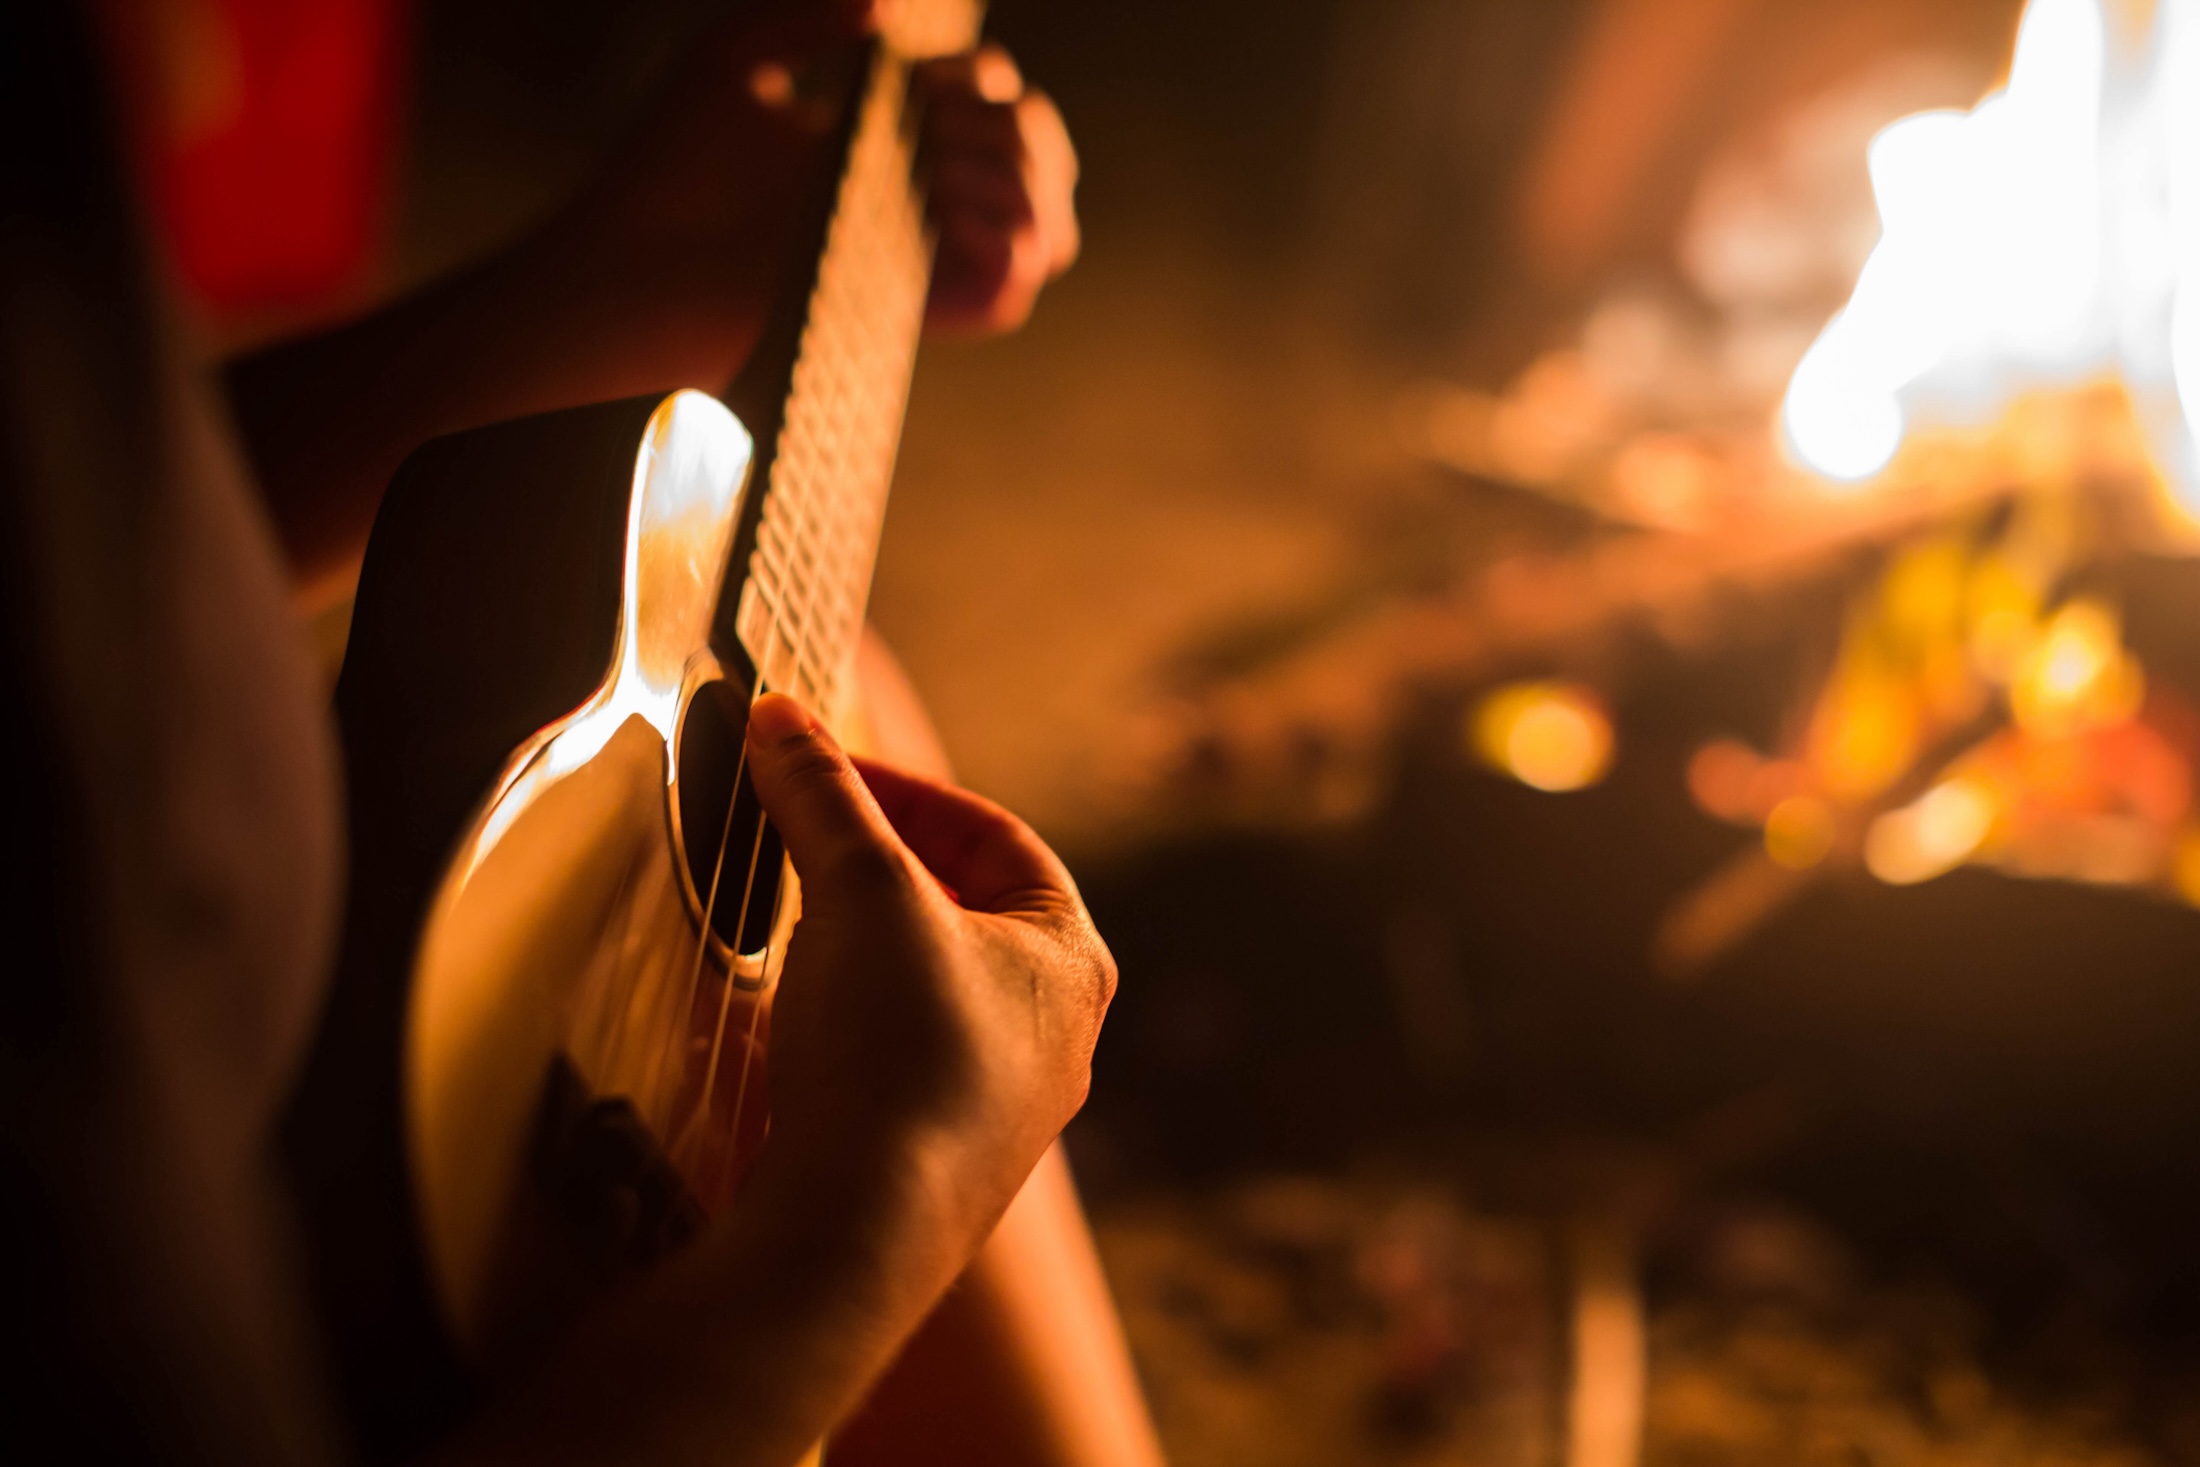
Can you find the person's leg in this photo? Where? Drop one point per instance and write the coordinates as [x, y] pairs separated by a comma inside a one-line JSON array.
[[1024, 1363]]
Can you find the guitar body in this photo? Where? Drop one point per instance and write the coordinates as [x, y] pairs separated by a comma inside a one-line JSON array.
[[540, 1066], [566, 909], [529, 660], [579, 1040]]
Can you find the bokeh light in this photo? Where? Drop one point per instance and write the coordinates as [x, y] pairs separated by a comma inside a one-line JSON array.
[[1932, 835], [1553, 736], [1799, 832], [2076, 675]]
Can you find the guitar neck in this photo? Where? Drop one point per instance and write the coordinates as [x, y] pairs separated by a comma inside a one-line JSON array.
[[825, 392]]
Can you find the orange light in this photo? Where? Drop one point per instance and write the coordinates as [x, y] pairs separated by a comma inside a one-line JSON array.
[[1922, 597], [1548, 735], [1799, 832], [1932, 835], [2077, 676], [1668, 479], [1865, 733], [1720, 777], [1549, 421], [2185, 867], [2004, 612], [2049, 229]]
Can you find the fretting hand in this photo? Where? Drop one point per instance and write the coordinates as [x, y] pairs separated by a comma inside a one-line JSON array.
[[687, 229], [1003, 176], [658, 276]]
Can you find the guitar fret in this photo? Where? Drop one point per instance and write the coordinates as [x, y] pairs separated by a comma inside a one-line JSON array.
[[802, 605]]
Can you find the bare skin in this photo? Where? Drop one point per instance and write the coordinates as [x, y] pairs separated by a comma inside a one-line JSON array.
[[871, 1198], [1024, 1362], [658, 276], [933, 1034]]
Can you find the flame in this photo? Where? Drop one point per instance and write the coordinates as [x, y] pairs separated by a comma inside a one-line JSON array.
[[1932, 835], [2078, 784], [2077, 675], [2051, 232]]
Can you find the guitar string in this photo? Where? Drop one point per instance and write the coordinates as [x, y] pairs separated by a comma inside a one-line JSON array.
[[764, 957], [800, 661], [748, 1059], [819, 520], [685, 1014], [803, 662], [701, 1113], [725, 997]]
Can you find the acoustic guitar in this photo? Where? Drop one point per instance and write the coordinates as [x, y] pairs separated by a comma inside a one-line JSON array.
[[567, 911]]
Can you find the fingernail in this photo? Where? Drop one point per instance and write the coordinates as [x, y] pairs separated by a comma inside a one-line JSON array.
[[776, 718]]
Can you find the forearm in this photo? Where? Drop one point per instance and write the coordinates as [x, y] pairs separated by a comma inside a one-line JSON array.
[[747, 1348], [1023, 1364], [658, 277], [327, 420]]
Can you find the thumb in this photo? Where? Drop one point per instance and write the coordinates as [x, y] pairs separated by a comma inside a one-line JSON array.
[[826, 816]]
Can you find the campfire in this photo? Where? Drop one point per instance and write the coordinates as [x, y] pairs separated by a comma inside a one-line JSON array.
[[2049, 233], [1995, 423], [2036, 277]]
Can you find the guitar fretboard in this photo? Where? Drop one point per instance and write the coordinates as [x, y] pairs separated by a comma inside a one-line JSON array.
[[802, 601]]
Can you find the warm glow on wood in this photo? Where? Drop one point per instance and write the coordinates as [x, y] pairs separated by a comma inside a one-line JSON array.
[[563, 925]]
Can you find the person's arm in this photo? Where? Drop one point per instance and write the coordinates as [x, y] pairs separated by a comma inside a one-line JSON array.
[[658, 276], [927, 1047]]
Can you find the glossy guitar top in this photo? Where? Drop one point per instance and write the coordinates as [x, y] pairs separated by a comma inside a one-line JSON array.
[[564, 966], [536, 1071], [571, 1038]]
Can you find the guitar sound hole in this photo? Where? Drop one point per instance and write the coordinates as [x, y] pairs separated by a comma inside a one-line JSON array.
[[710, 767]]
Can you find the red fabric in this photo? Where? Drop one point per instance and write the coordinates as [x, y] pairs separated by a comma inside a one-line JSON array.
[[269, 133]]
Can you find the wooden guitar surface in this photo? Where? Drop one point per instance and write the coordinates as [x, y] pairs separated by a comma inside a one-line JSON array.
[[572, 1046], [536, 1073], [579, 1045]]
